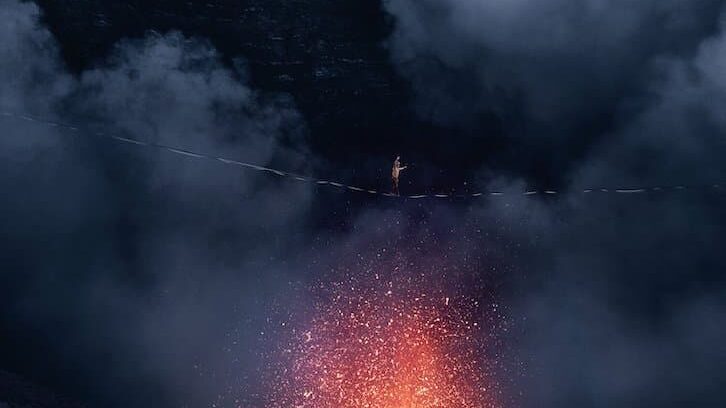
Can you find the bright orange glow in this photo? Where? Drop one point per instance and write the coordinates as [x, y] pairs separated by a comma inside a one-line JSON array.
[[386, 344]]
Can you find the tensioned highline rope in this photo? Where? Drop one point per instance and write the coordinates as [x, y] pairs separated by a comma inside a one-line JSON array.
[[281, 173]]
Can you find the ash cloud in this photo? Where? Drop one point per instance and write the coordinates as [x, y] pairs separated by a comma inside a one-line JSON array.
[[142, 274], [619, 297], [557, 74], [127, 267]]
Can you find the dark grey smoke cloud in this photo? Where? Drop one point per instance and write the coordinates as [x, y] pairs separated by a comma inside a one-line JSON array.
[[556, 72], [141, 273], [620, 298], [145, 275]]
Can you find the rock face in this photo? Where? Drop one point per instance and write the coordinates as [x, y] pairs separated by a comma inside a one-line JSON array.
[[328, 54], [16, 392]]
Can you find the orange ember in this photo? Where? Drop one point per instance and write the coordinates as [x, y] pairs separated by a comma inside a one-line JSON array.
[[386, 345]]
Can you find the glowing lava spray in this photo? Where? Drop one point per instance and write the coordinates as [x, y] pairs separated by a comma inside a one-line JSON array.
[[393, 342]]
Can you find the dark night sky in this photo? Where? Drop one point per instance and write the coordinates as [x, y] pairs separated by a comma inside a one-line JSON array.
[[126, 270]]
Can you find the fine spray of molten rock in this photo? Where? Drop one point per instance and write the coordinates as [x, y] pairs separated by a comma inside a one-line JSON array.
[[387, 343]]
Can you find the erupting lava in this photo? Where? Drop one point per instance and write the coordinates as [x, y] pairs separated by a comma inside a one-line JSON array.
[[387, 343]]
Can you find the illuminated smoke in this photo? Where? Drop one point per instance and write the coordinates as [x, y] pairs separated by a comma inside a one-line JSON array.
[[399, 341]]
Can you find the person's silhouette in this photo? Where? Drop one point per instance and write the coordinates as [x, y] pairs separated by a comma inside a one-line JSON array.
[[396, 173]]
